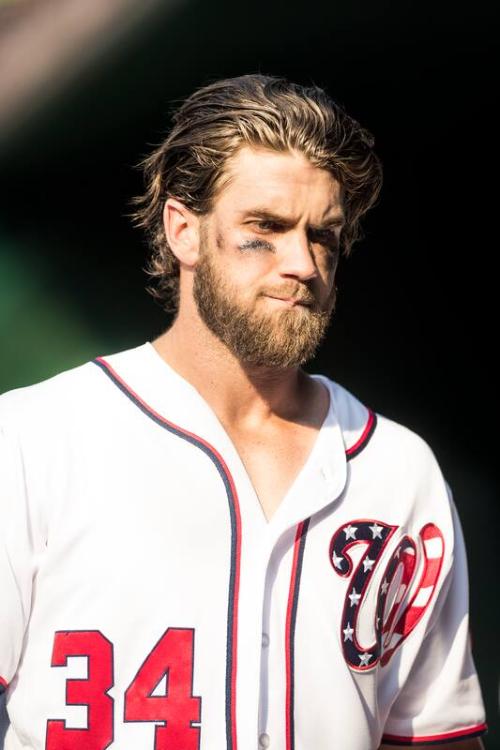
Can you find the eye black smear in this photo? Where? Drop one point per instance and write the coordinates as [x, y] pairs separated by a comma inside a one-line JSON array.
[[256, 245]]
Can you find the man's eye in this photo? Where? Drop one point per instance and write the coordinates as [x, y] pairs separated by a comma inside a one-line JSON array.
[[329, 240], [267, 226]]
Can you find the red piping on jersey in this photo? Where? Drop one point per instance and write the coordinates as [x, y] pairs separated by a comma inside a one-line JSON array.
[[365, 436], [293, 593], [159, 418], [436, 738], [291, 613], [4, 683]]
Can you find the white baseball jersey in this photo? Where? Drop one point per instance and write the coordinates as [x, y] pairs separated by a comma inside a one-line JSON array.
[[148, 603]]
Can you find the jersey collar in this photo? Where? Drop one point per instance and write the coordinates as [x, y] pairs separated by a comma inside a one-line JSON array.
[[321, 480]]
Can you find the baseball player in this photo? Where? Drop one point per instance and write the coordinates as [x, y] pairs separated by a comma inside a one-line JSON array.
[[203, 547]]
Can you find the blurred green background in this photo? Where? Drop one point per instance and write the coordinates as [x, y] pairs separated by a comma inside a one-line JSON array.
[[413, 334]]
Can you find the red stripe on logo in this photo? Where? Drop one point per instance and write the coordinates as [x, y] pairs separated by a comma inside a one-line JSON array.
[[430, 532], [431, 572]]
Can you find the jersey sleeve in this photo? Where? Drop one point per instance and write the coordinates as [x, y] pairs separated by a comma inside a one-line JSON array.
[[441, 700], [16, 556]]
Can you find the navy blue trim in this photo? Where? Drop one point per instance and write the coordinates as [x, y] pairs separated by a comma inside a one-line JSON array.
[[295, 602], [227, 484], [2, 689], [365, 442]]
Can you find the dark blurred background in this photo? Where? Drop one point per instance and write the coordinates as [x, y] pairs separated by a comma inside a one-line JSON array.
[[86, 90]]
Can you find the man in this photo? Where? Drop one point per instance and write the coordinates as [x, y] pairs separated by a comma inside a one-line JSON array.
[[203, 546]]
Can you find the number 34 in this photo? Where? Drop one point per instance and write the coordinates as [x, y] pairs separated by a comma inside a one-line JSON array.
[[177, 711]]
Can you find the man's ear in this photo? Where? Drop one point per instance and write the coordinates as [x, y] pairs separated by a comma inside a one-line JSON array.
[[182, 231]]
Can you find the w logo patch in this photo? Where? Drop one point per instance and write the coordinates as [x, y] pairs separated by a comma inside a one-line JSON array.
[[400, 602]]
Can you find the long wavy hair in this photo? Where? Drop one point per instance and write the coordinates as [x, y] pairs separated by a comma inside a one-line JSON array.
[[254, 110]]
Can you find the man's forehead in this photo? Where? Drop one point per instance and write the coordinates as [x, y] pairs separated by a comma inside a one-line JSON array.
[[264, 180], [281, 211], [249, 161]]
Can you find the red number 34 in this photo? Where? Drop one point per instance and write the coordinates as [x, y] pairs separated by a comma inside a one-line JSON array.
[[177, 711]]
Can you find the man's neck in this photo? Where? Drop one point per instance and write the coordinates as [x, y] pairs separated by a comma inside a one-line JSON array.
[[239, 394]]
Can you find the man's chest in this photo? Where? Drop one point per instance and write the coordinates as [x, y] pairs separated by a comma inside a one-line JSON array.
[[273, 460], [162, 585]]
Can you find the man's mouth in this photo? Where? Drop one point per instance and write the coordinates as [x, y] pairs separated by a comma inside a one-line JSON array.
[[292, 301]]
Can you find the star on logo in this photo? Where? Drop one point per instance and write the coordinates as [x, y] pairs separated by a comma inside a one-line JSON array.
[[348, 631], [364, 659], [368, 564], [350, 532], [337, 561], [354, 597], [376, 530], [384, 587]]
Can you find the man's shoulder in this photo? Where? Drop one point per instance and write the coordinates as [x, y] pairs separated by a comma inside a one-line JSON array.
[[61, 397], [365, 428], [392, 465]]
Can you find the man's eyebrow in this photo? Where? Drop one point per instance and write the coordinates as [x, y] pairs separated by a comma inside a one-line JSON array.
[[263, 213]]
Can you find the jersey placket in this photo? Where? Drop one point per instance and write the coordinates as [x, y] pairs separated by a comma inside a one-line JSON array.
[[270, 566], [317, 486]]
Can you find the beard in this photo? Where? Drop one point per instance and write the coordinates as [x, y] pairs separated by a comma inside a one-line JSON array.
[[281, 338]]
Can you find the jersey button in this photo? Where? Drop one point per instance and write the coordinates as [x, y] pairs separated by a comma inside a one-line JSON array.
[[265, 640], [264, 740]]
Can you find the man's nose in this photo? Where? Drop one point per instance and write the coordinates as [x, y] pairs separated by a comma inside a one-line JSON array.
[[297, 258]]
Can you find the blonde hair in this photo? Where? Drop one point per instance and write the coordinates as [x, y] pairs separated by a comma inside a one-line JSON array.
[[255, 110]]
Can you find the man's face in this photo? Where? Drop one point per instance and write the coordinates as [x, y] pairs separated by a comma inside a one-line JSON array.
[[264, 281]]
